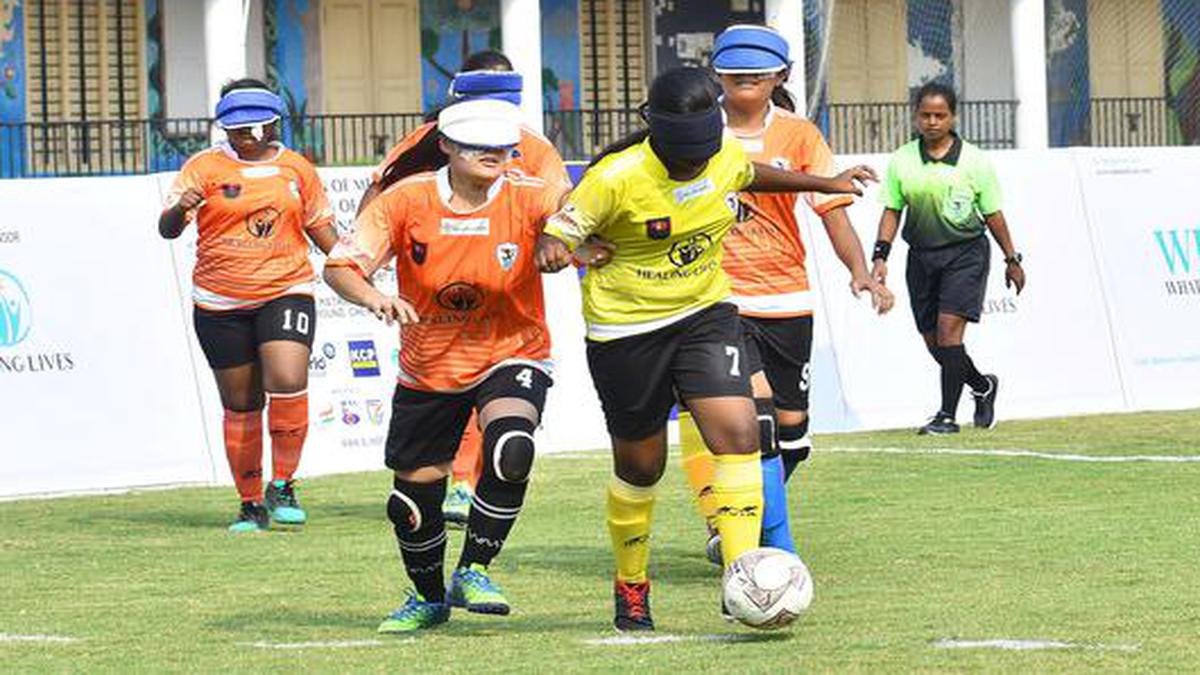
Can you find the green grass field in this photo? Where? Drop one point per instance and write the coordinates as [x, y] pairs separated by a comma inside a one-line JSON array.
[[906, 550]]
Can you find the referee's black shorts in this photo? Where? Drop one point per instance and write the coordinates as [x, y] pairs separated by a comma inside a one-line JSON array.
[[637, 377], [951, 280]]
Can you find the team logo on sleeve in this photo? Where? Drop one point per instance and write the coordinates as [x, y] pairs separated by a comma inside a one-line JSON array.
[[418, 250], [231, 190], [658, 228], [506, 255], [261, 223]]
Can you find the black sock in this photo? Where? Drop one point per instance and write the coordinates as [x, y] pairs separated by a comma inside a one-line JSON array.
[[794, 446], [952, 377], [415, 510], [501, 488], [971, 375]]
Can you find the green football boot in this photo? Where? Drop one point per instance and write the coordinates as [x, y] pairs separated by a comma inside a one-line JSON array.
[[473, 589], [415, 614]]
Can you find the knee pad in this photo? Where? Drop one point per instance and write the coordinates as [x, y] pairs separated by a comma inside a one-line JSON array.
[[508, 449], [412, 506], [794, 440], [764, 409]]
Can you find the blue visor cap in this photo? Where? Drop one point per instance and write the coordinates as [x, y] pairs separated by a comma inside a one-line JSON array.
[[248, 107], [750, 49], [499, 85]]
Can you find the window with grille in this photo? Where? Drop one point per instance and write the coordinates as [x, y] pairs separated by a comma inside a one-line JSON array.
[[85, 84], [613, 48]]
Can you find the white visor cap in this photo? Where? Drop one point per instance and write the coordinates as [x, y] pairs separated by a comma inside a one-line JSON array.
[[489, 123]]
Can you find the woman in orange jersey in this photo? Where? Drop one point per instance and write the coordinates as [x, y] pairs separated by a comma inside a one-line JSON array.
[[256, 205], [765, 259], [485, 74], [474, 337]]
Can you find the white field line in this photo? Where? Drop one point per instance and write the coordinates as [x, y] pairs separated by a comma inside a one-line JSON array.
[[1029, 645], [621, 640], [974, 452], [60, 639], [317, 644]]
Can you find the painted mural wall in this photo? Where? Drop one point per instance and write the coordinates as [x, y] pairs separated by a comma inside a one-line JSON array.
[[1182, 32], [684, 31], [451, 30], [12, 88], [1067, 83]]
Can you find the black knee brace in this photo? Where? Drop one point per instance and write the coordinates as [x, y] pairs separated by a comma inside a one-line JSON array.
[[794, 441], [508, 448], [764, 408], [415, 506]]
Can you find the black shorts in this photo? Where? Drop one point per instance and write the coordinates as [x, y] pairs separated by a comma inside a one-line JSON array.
[[427, 426], [782, 349], [231, 338], [950, 280], [637, 377]]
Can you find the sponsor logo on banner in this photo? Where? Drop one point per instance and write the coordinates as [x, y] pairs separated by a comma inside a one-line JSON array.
[[327, 415], [351, 414], [1004, 305], [318, 362], [506, 255], [375, 411], [364, 360], [687, 193], [1180, 251], [10, 236], [465, 227], [396, 357], [16, 323]]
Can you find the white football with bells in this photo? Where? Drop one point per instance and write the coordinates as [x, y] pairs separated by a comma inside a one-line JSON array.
[[767, 588]]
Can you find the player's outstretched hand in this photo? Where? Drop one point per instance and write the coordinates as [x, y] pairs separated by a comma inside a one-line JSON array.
[[391, 309], [595, 252], [852, 180], [882, 299], [552, 254], [190, 199]]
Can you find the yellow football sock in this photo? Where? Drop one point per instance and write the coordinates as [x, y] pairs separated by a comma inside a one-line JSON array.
[[629, 511], [737, 492], [697, 464]]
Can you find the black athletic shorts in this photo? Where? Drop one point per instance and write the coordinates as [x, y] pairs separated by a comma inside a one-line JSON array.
[[427, 426], [782, 349], [231, 338], [637, 377], [951, 279]]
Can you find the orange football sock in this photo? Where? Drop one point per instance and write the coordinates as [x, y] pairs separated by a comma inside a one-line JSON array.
[[287, 418], [468, 461], [243, 449]]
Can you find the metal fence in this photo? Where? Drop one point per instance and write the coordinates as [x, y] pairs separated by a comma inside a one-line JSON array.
[[861, 128], [34, 149]]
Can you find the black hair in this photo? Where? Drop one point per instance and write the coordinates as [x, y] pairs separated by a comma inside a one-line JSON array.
[[424, 155], [488, 59], [680, 90], [935, 90], [781, 97], [243, 83]]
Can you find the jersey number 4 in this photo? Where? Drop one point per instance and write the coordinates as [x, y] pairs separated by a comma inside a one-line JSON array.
[[525, 378]]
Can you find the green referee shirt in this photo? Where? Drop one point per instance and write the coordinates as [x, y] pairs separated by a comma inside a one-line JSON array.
[[947, 199]]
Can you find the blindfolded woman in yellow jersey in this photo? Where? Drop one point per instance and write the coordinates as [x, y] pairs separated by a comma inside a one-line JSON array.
[[657, 322]]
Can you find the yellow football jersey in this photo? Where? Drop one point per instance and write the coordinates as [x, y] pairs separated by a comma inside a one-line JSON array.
[[668, 236]]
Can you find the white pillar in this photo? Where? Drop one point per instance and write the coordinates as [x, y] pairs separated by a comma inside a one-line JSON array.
[[521, 35], [1029, 73], [787, 17], [224, 44]]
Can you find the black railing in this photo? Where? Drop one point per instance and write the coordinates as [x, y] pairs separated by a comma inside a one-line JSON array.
[[863, 128], [580, 135], [1125, 122]]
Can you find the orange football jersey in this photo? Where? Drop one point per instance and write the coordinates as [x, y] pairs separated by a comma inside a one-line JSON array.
[[536, 156], [764, 253], [469, 275], [251, 225]]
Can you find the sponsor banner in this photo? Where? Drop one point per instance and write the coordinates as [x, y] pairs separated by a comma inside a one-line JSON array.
[[1050, 346], [1146, 233], [96, 390]]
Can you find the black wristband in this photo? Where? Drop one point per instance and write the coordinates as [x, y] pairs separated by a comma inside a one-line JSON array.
[[882, 250]]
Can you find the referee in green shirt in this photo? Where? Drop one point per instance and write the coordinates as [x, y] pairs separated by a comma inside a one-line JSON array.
[[950, 193]]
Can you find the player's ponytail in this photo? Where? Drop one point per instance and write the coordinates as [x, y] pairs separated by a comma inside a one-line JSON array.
[[424, 155]]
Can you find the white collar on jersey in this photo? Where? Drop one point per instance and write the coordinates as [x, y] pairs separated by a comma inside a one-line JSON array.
[[445, 192], [766, 121]]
